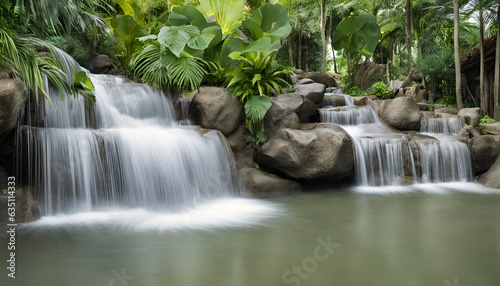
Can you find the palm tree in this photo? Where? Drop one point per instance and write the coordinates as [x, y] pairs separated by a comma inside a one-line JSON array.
[[458, 73], [323, 35]]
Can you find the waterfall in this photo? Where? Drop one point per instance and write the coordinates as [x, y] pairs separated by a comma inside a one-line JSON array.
[[384, 157], [451, 125], [136, 156], [443, 160]]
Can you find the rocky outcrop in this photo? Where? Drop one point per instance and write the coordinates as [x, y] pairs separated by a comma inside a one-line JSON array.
[[492, 177], [322, 78], [471, 115], [314, 91], [101, 64], [322, 153], [364, 100], [369, 73], [492, 128], [282, 114], [26, 207], [446, 110], [13, 96], [417, 92], [262, 184], [484, 151], [401, 113], [214, 108]]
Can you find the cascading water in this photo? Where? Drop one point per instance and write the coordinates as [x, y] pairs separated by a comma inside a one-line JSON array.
[[384, 157], [137, 157], [450, 125]]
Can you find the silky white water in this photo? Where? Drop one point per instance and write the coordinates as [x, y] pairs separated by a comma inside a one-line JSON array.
[[137, 157], [384, 157]]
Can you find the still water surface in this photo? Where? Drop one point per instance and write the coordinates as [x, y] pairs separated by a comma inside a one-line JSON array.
[[447, 234]]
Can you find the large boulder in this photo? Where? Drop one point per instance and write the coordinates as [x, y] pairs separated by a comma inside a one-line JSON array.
[[282, 113], [101, 64], [369, 73], [13, 96], [471, 115], [484, 151], [401, 113], [314, 91], [492, 177], [492, 128], [324, 152], [417, 92], [322, 78], [213, 108], [262, 184], [302, 106]]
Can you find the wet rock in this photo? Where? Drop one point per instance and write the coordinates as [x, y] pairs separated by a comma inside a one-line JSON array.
[[471, 115], [401, 113], [322, 78], [492, 177], [282, 113], [101, 64], [418, 93], [262, 184], [423, 106], [213, 108], [484, 151], [314, 91], [492, 128], [13, 96], [324, 152], [448, 110], [369, 73]]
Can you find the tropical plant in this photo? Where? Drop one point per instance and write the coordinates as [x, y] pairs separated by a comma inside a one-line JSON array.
[[227, 13], [357, 35], [486, 120], [381, 90], [32, 67]]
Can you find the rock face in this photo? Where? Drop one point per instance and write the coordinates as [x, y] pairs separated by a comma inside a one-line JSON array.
[[492, 177], [26, 207], [417, 92], [13, 95], [322, 78], [492, 128], [401, 113], [369, 73], [471, 115], [282, 114], [324, 152], [262, 184], [314, 91], [484, 151], [214, 108], [101, 64]]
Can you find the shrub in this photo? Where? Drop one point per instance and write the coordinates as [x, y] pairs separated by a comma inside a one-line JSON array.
[[486, 120], [381, 90]]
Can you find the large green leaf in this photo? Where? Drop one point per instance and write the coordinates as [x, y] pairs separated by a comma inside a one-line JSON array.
[[357, 34], [253, 28], [186, 73], [257, 107], [273, 20], [175, 38], [190, 13], [227, 13], [370, 33], [128, 31], [261, 45], [230, 45]]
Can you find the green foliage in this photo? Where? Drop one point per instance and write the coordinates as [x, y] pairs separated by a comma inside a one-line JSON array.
[[128, 30], [357, 34], [486, 120], [255, 110], [448, 100], [72, 46], [227, 13], [268, 21], [381, 90]]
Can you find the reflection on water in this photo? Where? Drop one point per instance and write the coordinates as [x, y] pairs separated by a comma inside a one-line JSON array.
[[419, 235]]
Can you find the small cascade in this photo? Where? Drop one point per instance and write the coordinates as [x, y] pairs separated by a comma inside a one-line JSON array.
[[349, 115], [450, 125], [136, 157], [185, 115], [337, 100]]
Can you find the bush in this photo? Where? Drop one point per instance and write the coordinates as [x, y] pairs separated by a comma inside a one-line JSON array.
[[486, 120], [381, 90], [74, 47]]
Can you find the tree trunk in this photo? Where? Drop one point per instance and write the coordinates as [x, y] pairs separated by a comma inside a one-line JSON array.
[[497, 73], [408, 30], [323, 34], [330, 33], [482, 90], [290, 50], [458, 74], [299, 52], [306, 65]]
